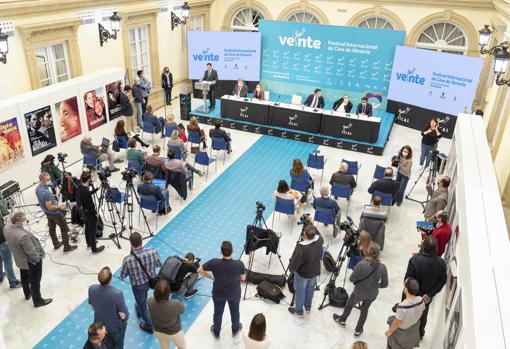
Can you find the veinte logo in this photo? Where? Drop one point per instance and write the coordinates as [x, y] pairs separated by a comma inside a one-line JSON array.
[[411, 77], [299, 40], [206, 56]]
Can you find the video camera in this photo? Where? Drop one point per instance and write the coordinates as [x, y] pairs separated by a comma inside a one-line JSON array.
[[351, 234], [260, 207], [104, 174], [61, 157], [395, 160], [129, 174], [305, 220]]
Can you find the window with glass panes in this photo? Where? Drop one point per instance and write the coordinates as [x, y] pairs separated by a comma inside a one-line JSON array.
[[52, 64], [139, 47]]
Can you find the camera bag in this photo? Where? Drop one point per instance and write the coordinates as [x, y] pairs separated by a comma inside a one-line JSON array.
[[290, 283], [329, 262], [257, 278], [338, 296], [268, 290]]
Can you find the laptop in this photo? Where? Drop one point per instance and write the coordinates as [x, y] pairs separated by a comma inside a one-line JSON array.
[[105, 143], [159, 182]]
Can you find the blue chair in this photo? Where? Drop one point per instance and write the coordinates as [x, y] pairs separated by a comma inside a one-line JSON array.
[[343, 191], [286, 207], [386, 200], [150, 129], [169, 129], [378, 173], [203, 159], [353, 167], [317, 162], [194, 138], [136, 165], [90, 160], [149, 203], [324, 215], [123, 144], [219, 144], [300, 183], [176, 151]]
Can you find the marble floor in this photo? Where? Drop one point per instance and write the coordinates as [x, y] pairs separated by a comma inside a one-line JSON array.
[[22, 326]]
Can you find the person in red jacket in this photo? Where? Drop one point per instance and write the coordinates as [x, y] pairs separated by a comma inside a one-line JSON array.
[[442, 233]]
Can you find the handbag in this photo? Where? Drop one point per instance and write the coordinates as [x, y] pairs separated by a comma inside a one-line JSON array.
[[152, 280], [115, 146]]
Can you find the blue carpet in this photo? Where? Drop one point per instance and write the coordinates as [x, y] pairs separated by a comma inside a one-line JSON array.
[[220, 212], [387, 120]]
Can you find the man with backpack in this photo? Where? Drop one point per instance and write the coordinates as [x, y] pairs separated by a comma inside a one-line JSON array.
[[181, 274]]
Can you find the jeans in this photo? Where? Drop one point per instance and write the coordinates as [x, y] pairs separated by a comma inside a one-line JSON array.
[[31, 281], [365, 304], [118, 336], [426, 154], [6, 259], [303, 292], [219, 307], [401, 190], [139, 113], [60, 220], [140, 293]]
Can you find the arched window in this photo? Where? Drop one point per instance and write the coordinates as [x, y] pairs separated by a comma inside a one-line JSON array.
[[303, 17], [246, 20], [443, 37], [375, 23]]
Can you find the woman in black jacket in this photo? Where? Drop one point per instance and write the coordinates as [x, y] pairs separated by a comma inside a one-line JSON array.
[[167, 83]]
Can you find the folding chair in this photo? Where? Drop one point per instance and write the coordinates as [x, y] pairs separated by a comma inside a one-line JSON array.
[[325, 216], [150, 129], [136, 165], [317, 162], [90, 160], [194, 138], [386, 200], [286, 207], [149, 203], [378, 173], [203, 159], [353, 167], [219, 144], [169, 129], [123, 144], [176, 151], [343, 191]]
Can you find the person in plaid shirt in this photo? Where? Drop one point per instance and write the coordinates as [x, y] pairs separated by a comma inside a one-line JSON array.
[[138, 278]]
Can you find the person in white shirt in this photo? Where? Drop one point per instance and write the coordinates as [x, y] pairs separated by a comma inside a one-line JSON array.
[[343, 104], [256, 337]]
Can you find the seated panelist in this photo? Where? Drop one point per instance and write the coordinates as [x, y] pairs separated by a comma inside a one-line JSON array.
[[343, 104], [259, 93], [315, 100], [241, 89], [364, 108]]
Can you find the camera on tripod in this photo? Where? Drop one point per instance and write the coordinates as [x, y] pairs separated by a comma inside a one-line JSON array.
[[260, 207], [351, 234], [61, 157], [305, 220], [129, 174], [104, 174]]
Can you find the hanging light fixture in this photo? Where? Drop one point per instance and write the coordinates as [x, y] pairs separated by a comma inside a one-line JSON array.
[[500, 53], [176, 21], [4, 47], [104, 34]]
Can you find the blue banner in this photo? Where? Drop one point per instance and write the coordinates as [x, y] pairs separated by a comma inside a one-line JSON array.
[[333, 58]]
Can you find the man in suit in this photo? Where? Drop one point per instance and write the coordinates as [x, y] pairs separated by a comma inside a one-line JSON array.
[[147, 188], [241, 89], [387, 185], [211, 75], [315, 100], [99, 338], [219, 133], [28, 255], [343, 105], [167, 82], [109, 306], [364, 108]]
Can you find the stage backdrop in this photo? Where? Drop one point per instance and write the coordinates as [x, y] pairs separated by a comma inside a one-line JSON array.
[[426, 84], [298, 57], [233, 55]]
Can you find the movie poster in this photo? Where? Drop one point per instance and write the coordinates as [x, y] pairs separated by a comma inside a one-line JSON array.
[[11, 149], [452, 335], [68, 117], [113, 91], [95, 108], [41, 132]]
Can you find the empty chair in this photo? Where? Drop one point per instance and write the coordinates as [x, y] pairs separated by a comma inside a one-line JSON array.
[[203, 159], [342, 191], [296, 100], [286, 207], [219, 144], [176, 151], [150, 129], [378, 173], [149, 203], [317, 162]]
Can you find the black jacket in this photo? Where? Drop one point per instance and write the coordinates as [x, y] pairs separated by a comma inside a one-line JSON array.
[[219, 133], [385, 185], [429, 271], [85, 201], [243, 92], [320, 102], [339, 102], [213, 77], [107, 342], [136, 90], [164, 82], [306, 259], [178, 181], [126, 109], [368, 109]]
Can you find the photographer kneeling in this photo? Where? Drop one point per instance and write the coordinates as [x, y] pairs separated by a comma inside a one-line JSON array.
[[186, 276], [305, 263]]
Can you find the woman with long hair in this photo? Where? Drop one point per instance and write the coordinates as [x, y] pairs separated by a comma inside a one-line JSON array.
[[175, 141], [193, 127], [430, 137], [259, 93], [284, 192], [256, 337], [405, 163], [361, 250], [300, 178]]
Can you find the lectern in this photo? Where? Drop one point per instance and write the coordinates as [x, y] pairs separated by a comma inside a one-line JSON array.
[[205, 86]]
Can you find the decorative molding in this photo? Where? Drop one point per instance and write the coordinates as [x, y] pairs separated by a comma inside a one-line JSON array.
[[304, 6], [48, 32], [451, 4], [377, 11], [235, 7]]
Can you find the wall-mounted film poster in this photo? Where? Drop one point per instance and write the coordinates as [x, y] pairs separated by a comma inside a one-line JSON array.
[[113, 91], [68, 118], [40, 130], [11, 148], [95, 108]]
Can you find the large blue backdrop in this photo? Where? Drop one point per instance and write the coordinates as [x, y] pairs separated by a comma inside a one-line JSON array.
[[336, 59]]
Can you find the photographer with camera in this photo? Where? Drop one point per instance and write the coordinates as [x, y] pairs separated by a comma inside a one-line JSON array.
[[403, 162], [442, 231], [89, 212], [305, 263], [149, 189], [438, 198], [368, 277], [430, 137], [186, 276]]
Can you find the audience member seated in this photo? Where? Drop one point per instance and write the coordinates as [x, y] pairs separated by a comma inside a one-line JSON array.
[[101, 153], [342, 177], [364, 108], [387, 185], [442, 233], [48, 165], [343, 104], [256, 337], [170, 123], [241, 89], [177, 142], [373, 222], [147, 188], [324, 201], [120, 131], [166, 317], [186, 169], [193, 127], [259, 93], [299, 174], [374, 209], [98, 338], [182, 133], [133, 153], [284, 192], [152, 119], [315, 100], [438, 198], [186, 277], [217, 132], [155, 161]]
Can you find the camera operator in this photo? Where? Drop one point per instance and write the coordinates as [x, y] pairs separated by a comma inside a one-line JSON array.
[[430, 137], [100, 153], [442, 231], [368, 277], [404, 163], [305, 263], [149, 189], [89, 211], [438, 198], [186, 276]]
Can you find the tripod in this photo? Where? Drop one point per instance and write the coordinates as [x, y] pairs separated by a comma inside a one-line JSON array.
[[127, 209], [342, 256], [106, 195], [259, 222], [430, 179]]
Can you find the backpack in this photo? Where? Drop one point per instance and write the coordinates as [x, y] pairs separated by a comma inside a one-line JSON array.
[[290, 283], [100, 227], [170, 268], [329, 262], [268, 290], [338, 296], [76, 216]]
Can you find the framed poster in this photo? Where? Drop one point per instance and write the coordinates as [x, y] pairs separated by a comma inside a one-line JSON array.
[[113, 91], [68, 117], [95, 108], [451, 286], [11, 147], [40, 129], [455, 325]]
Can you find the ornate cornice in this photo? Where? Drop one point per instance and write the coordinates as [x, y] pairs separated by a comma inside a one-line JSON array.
[[67, 27], [456, 4]]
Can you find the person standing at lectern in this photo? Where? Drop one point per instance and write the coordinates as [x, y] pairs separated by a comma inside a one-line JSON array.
[[364, 108], [241, 89], [343, 104], [211, 75], [315, 100]]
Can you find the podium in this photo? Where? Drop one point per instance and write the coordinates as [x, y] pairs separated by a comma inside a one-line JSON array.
[[205, 86]]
